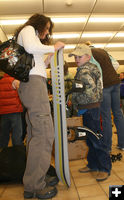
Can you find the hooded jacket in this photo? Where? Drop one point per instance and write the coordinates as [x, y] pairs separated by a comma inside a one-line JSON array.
[[90, 95], [9, 99]]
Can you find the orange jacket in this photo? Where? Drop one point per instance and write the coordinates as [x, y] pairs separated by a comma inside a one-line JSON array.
[[9, 99]]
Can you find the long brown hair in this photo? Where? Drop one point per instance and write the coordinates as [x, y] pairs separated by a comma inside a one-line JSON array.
[[39, 23]]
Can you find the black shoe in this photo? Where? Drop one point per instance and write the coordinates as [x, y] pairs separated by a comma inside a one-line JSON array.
[[51, 180], [29, 195], [46, 193]]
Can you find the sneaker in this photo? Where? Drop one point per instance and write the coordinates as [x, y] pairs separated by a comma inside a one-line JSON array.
[[121, 148], [51, 180], [102, 176], [86, 169], [29, 195], [46, 193]]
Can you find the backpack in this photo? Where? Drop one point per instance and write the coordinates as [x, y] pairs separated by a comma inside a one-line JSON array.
[[13, 163]]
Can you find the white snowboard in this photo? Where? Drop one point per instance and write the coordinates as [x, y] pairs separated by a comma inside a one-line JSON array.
[[61, 144]]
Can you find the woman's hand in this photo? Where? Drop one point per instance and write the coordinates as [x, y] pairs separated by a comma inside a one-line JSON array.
[[59, 45]]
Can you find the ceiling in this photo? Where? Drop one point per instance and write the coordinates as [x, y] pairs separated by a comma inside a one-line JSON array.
[[88, 9]]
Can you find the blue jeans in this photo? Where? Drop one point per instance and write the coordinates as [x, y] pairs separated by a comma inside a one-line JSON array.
[[122, 105], [98, 157], [111, 101], [11, 123]]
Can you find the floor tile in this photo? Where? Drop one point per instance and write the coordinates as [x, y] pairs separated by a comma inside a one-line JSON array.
[[2, 189], [102, 197], [118, 167], [120, 175], [90, 191], [13, 192], [85, 179]]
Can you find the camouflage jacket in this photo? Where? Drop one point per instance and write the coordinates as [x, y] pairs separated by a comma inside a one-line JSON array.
[[91, 96]]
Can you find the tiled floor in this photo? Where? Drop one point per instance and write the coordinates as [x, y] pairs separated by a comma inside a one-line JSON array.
[[83, 186]]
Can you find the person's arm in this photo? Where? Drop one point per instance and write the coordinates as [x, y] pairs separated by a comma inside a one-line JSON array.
[[47, 60], [33, 45]]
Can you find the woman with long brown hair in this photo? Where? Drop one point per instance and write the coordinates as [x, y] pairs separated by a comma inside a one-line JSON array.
[[34, 36]]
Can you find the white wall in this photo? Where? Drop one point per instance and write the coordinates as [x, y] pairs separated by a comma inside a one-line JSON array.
[[118, 55], [120, 69]]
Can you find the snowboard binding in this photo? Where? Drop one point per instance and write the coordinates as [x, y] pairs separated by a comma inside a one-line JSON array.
[[80, 133], [116, 157]]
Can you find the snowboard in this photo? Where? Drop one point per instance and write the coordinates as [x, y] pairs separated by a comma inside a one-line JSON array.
[[60, 125]]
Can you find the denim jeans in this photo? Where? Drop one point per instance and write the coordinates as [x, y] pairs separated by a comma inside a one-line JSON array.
[[111, 102], [98, 157], [122, 105], [11, 123]]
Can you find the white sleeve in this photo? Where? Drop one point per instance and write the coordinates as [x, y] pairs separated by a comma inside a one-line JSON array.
[[32, 43]]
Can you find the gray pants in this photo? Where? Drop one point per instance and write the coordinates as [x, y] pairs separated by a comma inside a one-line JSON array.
[[40, 132]]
